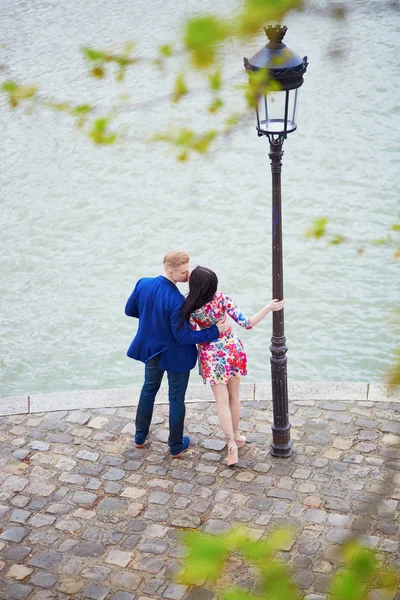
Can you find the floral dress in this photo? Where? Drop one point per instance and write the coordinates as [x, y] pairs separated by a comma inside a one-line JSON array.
[[224, 358]]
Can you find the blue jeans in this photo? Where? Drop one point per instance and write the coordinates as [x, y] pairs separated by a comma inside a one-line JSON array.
[[177, 384]]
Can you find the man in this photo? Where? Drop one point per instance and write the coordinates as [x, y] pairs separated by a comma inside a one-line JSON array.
[[164, 346]]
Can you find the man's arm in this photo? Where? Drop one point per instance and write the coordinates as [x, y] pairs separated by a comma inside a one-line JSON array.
[[131, 308], [185, 336]]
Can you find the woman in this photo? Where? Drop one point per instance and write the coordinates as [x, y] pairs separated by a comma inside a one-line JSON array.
[[222, 362]]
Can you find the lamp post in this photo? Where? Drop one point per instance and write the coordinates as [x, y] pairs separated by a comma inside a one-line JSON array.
[[276, 74]]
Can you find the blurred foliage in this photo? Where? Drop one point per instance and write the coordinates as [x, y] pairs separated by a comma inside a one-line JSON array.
[[99, 59], [271, 578], [17, 93]]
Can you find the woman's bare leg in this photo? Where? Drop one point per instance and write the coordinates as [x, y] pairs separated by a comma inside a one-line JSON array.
[[234, 403], [221, 395]]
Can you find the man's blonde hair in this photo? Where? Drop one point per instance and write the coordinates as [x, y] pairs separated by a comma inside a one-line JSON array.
[[176, 258]]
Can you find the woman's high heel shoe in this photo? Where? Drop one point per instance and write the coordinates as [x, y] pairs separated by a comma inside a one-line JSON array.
[[232, 457], [240, 441]]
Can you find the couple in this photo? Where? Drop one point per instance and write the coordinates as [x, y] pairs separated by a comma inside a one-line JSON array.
[[166, 341]]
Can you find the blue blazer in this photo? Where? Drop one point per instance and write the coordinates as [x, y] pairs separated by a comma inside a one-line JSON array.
[[157, 303]]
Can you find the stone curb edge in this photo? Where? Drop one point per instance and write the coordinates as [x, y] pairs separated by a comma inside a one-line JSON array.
[[298, 391]]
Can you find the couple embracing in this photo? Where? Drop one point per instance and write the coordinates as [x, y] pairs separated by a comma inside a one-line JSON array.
[[170, 327]]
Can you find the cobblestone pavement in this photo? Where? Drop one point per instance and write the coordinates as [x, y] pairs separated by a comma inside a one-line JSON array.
[[84, 515]]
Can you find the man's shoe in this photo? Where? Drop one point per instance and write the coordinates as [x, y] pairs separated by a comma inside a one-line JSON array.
[[185, 447], [139, 442]]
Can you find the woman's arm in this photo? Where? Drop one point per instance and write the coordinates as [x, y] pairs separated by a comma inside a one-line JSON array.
[[274, 305]]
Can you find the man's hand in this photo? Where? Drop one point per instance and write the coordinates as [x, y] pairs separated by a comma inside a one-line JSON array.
[[222, 325]]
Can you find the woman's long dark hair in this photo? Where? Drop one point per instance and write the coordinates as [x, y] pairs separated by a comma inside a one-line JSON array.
[[203, 284]]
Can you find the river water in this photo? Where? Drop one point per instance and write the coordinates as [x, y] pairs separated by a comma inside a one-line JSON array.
[[80, 224]]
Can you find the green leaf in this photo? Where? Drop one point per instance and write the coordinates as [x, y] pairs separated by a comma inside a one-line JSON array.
[[318, 228], [258, 12], [184, 137], [129, 47], [203, 142], [215, 106], [93, 55], [396, 227], [232, 120], [180, 88], [202, 36], [10, 87], [81, 109], [215, 81], [336, 240], [166, 50]]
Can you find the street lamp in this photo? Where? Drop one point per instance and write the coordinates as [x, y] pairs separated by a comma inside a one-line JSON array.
[[276, 74]]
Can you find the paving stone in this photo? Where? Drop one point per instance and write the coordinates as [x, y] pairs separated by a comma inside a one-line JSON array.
[[95, 572], [17, 591], [318, 439], [38, 445], [18, 572], [14, 534], [68, 525], [127, 580], [182, 475], [97, 422], [15, 484], [46, 559], [283, 494], [72, 478], [43, 580], [388, 545], [112, 505], [21, 453], [91, 468], [261, 504], [198, 593], [122, 596], [61, 438], [216, 527], [315, 516], [213, 444], [111, 487], [131, 541], [19, 516], [118, 557], [92, 549], [16, 553], [187, 521], [304, 579], [175, 591], [152, 586], [136, 526], [87, 455], [338, 536], [368, 423], [93, 484], [40, 488], [159, 497], [40, 520], [154, 546], [133, 493], [114, 474], [111, 537], [150, 565], [95, 592], [84, 498], [153, 470], [57, 508], [67, 545], [206, 480], [184, 488]]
